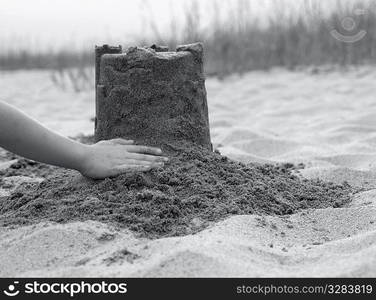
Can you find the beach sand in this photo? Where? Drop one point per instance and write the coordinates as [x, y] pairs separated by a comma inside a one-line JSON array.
[[324, 119]]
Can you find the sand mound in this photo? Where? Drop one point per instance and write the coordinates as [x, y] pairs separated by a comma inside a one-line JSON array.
[[195, 188]]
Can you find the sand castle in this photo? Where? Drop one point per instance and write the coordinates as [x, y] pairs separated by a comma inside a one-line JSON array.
[[157, 97], [315, 120], [152, 95]]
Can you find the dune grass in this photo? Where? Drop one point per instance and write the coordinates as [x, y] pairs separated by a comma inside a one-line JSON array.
[[237, 40]]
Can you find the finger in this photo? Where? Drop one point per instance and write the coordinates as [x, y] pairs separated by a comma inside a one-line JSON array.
[[141, 162], [144, 149], [122, 141], [134, 168], [103, 142], [145, 157], [121, 169], [150, 165]]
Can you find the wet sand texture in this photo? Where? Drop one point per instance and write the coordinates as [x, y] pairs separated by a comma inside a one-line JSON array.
[[99, 51], [195, 188], [153, 96]]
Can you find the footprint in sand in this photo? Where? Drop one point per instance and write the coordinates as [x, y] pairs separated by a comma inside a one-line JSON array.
[[238, 134], [266, 148], [362, 162], [365, 179]]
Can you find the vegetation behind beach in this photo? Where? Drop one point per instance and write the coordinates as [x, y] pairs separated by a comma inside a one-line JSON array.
[[237, 40]]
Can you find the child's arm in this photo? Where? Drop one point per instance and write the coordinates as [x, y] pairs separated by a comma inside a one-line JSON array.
[[26, 137]]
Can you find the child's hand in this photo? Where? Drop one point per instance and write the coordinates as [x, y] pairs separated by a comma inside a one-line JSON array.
[[26, 137], [114, 157]]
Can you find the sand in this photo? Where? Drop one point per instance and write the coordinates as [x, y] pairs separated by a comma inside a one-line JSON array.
[[324, 120], [195, 188]]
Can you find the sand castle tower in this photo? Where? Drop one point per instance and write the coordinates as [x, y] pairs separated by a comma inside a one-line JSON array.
[[152, 95]]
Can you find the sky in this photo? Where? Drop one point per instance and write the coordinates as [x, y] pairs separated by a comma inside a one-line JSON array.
[[46, 22], [53, 24]]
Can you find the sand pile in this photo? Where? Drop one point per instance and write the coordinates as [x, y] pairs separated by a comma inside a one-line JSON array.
[[195, 188]]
